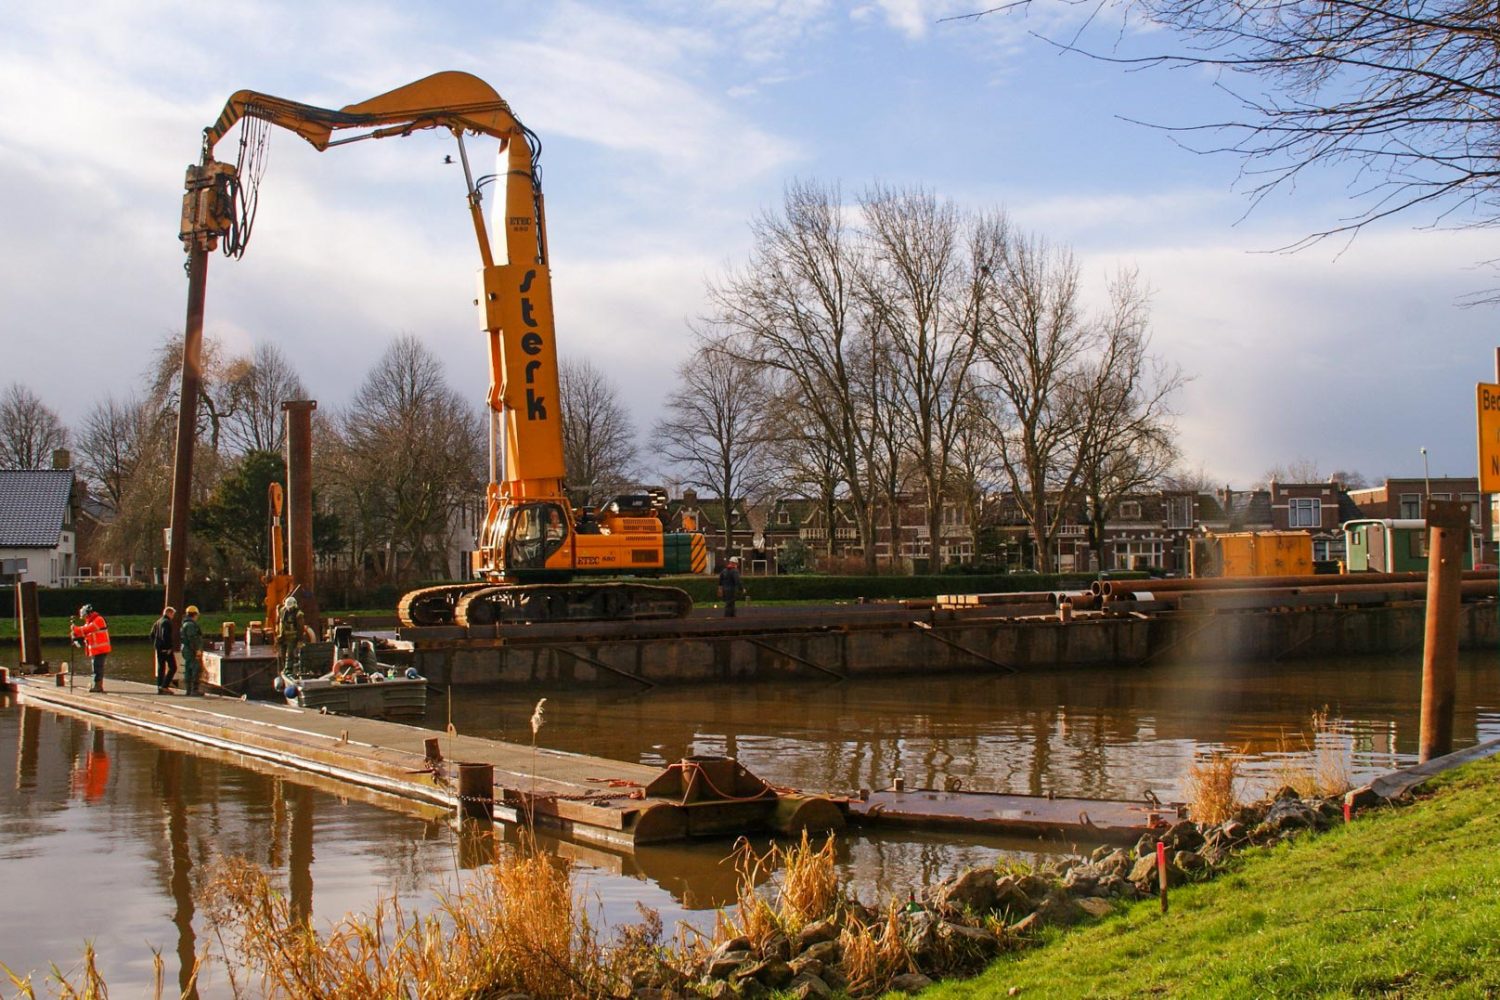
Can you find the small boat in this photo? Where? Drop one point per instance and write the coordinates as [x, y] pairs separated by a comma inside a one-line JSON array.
[[355, 684]]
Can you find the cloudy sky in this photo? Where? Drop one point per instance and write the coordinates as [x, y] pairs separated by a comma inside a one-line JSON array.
[[666, 127]]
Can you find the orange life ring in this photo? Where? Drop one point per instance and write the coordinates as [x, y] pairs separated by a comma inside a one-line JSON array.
[[348, 671]]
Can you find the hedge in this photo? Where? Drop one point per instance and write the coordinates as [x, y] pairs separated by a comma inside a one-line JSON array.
[[64, 601]]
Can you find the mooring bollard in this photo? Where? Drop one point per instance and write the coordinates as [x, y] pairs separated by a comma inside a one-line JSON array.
[[431, 751], [227, 632], [476, 790], [62, 675], [1065, 611]]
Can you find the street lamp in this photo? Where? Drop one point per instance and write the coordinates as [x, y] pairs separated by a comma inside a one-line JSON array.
[[1426, 477]]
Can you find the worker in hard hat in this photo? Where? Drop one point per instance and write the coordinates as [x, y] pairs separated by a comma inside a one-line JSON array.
[[289, 633], [191, 634], [94, 633]]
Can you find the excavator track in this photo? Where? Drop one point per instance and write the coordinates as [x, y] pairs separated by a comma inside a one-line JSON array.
[[434, 605], [570, 602]]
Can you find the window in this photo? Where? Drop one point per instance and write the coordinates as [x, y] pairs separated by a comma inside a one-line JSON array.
[[1305, 512], [1180, 512], [1411, 505], [1137, 554], [1130, 510], [1441, 496], [783, 516], [1476, 512]]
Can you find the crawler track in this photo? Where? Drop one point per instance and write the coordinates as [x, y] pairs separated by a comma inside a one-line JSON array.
[[481, 603]]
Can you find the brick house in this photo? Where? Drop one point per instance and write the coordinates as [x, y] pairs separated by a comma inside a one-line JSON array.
[[1405, 498]]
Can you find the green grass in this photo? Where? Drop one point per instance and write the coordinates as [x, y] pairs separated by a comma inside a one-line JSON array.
[[1402, 903]]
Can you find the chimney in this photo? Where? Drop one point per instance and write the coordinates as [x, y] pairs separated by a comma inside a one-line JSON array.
[[690, 497], [62, 459]]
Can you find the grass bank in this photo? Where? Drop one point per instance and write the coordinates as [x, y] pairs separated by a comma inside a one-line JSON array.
[[1404, 902]]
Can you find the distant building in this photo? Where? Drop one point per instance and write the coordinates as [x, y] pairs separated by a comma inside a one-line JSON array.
[[1405, 499], [38, 510]]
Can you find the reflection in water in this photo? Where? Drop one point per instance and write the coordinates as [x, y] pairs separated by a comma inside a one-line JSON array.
[[115, 830], [1098, 733]]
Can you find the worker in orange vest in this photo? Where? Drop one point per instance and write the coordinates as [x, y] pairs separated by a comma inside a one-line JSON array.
[[95, 635]]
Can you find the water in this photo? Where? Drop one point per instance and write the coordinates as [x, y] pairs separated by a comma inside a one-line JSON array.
[[114, 829]]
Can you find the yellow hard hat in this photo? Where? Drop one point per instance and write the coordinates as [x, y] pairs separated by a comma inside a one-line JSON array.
[[191, 609]]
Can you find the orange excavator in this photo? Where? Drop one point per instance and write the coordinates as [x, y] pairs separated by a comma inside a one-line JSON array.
[[536, 557]]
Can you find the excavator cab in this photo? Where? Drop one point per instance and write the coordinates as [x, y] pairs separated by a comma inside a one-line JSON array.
[[533, 532]]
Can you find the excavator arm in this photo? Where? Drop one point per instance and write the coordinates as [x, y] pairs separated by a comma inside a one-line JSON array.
[[515, 297]]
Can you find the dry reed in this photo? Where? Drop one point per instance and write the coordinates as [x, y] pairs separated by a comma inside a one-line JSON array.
[[873, 953], [1320, 765], [808, 891], [512, 928], [1211, 788]]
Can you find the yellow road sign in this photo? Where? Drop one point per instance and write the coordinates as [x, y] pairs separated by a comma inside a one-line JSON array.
[[1489, 437]]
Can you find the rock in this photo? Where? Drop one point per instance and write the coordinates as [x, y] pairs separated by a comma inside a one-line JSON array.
[[806, 986], [1059, 908], [1116, 862], [1183, 835], [1233, 831], [734, 944], [1026, 925], [1010, 897], [1034, 886], [717, 990], [777, 947], [774, 973], [1082, 881], [722, 966], [818, 931], [1144, 870], [1290, 814], [910, 982], [1113, 885], [1099, 853], [804, 966], [1096, 907], [1363, 797], [1286, 793], [826, 952], [1146, 846], [653, 993], [1189, 861], [975, 942], [919, 933], [972, 891]]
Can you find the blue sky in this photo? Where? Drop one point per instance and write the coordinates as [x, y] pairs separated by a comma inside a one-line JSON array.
[[666, 128]]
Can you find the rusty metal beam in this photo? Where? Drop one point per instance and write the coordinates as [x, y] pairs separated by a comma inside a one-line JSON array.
[[601, 665], [187, 428], [299, 505]]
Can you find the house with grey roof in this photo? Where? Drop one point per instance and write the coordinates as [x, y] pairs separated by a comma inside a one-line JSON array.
[[38, 539]]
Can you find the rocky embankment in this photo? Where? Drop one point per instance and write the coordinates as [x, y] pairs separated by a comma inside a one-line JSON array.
[[956, 927]]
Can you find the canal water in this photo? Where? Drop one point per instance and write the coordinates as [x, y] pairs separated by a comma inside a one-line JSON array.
[[105, 833]]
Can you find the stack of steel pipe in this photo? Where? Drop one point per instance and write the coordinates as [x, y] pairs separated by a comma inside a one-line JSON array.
[[1229, 593]]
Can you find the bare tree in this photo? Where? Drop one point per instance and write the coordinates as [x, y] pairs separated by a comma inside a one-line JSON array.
[[1298, 470], [1126, 442], [29, 430], [804, 461], [115, 438], [598, 440], [254, 388], [713, 432], [1034, 339], [1405, 93], [793, 309], [929, 271], [408, 457]]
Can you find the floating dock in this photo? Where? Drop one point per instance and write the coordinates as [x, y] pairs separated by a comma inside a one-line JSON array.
[[589, 799], [606, 803]]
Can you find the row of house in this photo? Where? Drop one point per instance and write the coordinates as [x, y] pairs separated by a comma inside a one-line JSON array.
[[48, 523], [1147, 531]]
